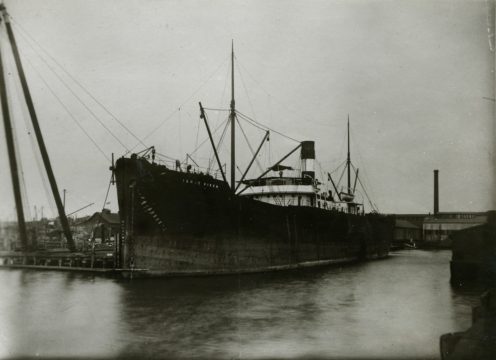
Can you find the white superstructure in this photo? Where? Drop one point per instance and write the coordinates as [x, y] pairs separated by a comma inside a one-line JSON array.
[[285, 187]]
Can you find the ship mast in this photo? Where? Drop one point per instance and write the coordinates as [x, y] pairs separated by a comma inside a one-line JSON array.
[[232, 117], [14, 171], [348, 159], [37, 131]]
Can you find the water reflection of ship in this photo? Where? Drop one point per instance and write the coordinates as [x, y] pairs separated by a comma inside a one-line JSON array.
[[181, 222]]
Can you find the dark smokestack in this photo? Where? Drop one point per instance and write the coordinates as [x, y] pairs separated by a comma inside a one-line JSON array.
[[307, 156], [436, 192]]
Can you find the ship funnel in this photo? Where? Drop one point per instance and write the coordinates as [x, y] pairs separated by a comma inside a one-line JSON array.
[[436, 192], [308, 159]]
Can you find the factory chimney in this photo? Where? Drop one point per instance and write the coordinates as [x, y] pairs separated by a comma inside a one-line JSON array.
[[436, 192]]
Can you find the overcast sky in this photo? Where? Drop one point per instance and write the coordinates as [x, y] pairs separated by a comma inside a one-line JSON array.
[[412, 75]]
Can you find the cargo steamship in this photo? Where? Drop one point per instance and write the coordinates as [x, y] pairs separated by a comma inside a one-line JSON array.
[[175, 220]]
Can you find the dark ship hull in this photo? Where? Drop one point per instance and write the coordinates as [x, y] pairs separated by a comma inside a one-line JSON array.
[[190, 223]]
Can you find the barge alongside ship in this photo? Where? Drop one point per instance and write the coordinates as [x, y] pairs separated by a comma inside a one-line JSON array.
[[177, 221]]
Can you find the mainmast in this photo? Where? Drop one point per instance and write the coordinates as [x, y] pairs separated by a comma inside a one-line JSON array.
[[232, 117], [37, 131], [348, 159]]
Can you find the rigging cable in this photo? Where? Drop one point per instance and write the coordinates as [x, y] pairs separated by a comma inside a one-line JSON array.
[[71, 195], [221, 101], [219, 143], [363, 170], [339, 166], [36, 154], [185, 101], [368, 198], [249, 145], [63, 82], [197, 132], [108, 190], [250, 122], [244, 86], [81, 86], [164, 156], [24, 198], [182, 104], [71, 115], [206, 139], [216, 109], [341, 177], [99, 103], [325, 183], [266, 127], [342, 147], [211, 156], [257, 82], [263, 89], [373, 206]]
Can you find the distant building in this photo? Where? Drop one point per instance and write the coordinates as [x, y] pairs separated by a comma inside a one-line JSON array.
[[101, 228], [415, 219], [434, 230], [438, 228], [40, 234], [406, 233], [8, 235]]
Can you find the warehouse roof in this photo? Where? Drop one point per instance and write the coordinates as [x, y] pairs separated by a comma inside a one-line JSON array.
[[405, 224]]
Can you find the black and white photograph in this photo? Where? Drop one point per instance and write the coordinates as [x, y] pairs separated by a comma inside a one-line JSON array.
[[247, 179]]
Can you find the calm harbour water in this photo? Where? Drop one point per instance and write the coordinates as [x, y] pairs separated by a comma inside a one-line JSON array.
[[390, 308]]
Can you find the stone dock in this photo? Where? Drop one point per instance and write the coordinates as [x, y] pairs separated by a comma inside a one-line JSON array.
[[479, 341], [98, 262]]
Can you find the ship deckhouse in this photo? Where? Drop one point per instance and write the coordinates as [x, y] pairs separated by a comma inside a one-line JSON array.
[[288, 187]]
